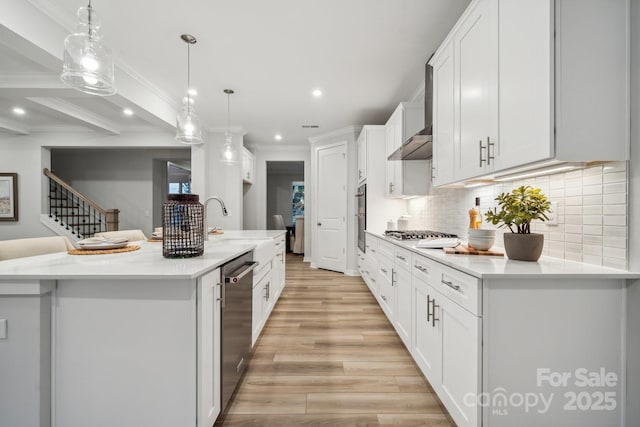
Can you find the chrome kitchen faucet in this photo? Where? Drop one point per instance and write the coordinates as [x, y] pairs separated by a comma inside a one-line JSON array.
[[224, 212]]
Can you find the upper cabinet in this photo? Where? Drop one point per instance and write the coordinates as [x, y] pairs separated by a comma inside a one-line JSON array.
[[516, 84], [405, 177], [248, 162]]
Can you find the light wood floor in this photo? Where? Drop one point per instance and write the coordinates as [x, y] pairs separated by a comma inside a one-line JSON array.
[[329, 357]]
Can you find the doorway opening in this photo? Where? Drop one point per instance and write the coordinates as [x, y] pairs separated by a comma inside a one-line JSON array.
[[285, 191]]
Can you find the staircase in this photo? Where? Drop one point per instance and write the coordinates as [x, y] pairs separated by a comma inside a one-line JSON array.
[[72, 214]]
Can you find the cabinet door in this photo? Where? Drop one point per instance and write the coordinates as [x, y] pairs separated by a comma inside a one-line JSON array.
[[362, 156], [427, 336], [208, 348], [461, 363], [402, 288], [476, 85], [386, 299], [257, 319], [443, 116], [247, 166], [526, 83], [393, 187]]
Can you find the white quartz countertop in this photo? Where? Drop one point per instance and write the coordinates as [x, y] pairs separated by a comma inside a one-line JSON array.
[[495, 267], [145, 263]]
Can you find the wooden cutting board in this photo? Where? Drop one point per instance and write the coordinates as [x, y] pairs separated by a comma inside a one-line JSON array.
[[465, 250]]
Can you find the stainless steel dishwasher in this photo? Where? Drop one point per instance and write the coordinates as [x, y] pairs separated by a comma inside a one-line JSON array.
[[235, 323]]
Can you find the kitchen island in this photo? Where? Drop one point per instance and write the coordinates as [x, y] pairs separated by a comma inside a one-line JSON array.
[[129, 339], [507, 343]]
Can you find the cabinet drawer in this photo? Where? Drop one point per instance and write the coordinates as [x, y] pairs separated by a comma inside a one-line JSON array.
[[386, 249], [460, 288], [402, 258], [424, 269], [385, 269], [371, 244], [280, 244]]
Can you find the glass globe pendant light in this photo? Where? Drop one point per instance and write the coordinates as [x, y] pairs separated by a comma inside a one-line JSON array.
[[87, 63], [188, 126], [228, 154]]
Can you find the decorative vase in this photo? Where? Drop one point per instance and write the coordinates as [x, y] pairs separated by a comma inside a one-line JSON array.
[[523, 247]]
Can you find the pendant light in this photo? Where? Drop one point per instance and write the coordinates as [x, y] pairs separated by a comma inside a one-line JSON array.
[[188, 126], [228, 154], [87, 63]]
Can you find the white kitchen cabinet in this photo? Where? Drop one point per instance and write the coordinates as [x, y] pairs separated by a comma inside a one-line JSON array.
[[386, 297], [475, 50], [261, 301], [362, 156], [443, 115], [427, 336], [402, 299], [519, 97], [405, 177], [209, 404], [248, 164], [279, 265]]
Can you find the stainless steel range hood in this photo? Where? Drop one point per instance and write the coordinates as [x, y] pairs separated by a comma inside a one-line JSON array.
[[420, 145]]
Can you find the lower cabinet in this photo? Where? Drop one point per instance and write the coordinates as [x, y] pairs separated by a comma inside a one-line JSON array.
[[427, 336], [260, 302], [402, 288], [208, 348], [386, 296]]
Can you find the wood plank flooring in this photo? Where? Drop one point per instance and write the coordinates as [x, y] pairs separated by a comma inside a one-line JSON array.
[[329, 357]]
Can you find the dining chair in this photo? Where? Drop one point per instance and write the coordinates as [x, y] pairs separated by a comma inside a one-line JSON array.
[[132, 235], [22, 248]]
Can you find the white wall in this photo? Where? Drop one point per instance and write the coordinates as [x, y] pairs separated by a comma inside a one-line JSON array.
[[633, 352], [29, 154], [255, 198], [117, 178]]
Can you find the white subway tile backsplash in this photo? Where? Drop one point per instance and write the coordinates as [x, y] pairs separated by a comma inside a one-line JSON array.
[[614, 177], [610, 199], [614, 210], [615, 220], [591, 200], [589, 190], [592, 219], [592, 212], [615, 187]]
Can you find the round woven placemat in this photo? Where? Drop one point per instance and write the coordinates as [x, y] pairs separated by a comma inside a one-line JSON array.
[[151, 239], [129, 248]]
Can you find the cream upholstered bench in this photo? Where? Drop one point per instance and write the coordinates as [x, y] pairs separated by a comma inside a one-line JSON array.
[[21, 248]]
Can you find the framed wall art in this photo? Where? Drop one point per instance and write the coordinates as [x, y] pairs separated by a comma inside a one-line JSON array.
[[8, 196]]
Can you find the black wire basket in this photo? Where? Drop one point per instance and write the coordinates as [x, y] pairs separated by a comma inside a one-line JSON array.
[[182, 226]]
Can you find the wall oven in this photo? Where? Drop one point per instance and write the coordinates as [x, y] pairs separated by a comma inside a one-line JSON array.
[[361, 197]]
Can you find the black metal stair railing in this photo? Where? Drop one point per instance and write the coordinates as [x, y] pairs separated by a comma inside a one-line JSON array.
[[75, 212]]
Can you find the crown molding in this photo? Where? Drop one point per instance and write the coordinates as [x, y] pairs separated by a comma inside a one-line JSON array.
[[352, 129]]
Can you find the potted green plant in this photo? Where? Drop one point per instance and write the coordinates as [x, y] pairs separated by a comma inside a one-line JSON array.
[[517, 209]]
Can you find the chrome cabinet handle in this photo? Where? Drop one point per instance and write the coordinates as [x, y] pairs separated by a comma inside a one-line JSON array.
[[393, 277], [480, 148], [451, 285], [383, 297], [391, 185], [319, 224], [373, 280], [433, 172], [384, 270], [429, 308], [489, 145], [400, 257], [421, 268], [359, 173], [434, 319]]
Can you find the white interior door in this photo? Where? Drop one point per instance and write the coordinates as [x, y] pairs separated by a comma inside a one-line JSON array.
[[332, 208]]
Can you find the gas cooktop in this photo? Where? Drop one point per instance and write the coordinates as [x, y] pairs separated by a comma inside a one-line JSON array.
[[416, 234]]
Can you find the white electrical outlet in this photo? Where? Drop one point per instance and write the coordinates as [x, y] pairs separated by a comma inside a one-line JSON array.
[[3, 329], [553, 215]]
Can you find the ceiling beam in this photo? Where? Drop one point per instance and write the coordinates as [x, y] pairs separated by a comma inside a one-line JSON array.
[[10, 126], [77, 113]]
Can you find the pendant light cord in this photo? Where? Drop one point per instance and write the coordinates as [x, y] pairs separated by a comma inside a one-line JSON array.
[[188, 78], [89, 10], [228, 114]]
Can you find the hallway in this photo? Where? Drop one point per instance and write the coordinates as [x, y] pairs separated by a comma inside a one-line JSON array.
[[329, 357]]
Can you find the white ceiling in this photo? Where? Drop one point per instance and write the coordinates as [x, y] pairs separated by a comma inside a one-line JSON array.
[[366, 56]]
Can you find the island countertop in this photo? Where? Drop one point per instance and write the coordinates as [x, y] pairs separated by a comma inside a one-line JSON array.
[[145, 263]]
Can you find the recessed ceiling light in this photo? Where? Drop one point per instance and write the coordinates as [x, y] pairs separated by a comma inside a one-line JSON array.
[[317, 93], [278, 137], [127, 112], [192, 92], [19, 111]]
